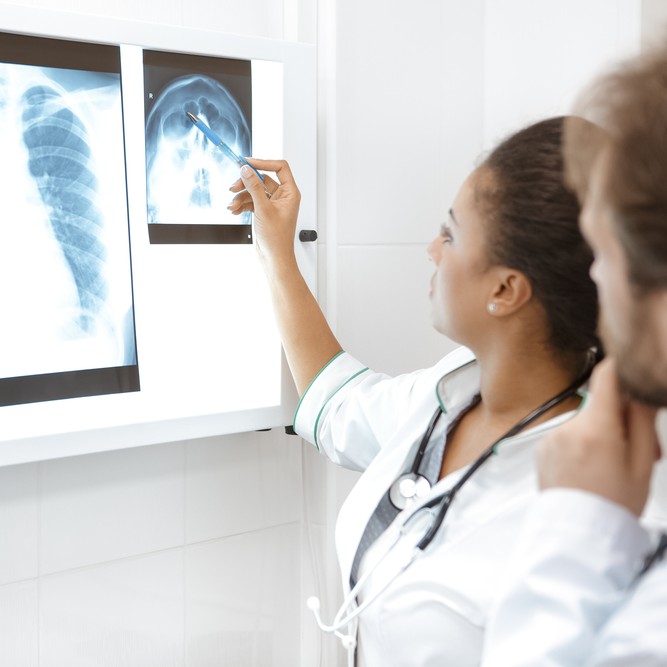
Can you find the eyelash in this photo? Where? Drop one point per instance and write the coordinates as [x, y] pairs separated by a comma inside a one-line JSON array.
[[446, 234]]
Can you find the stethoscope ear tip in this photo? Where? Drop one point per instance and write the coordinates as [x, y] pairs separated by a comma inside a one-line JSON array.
[[313, 603]]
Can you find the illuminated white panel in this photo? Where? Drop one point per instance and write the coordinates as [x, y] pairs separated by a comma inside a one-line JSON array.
[[267, 109], [207, 348]]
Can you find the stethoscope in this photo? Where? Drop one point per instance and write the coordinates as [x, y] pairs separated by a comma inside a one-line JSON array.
[[407, 490]]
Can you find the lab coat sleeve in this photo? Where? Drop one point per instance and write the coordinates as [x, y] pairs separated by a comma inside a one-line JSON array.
[[635, 635], [350, 412], [575, 558]]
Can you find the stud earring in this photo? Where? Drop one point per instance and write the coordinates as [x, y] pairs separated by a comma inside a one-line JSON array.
[[491, 307]]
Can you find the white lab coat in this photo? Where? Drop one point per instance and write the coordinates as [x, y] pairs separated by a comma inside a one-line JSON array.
[[570, 598], [434, 612]]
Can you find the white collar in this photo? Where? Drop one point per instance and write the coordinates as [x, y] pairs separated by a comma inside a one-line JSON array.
[[458, 387]]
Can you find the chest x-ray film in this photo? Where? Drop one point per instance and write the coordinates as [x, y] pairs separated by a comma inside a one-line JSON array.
[[65, 275], [187, 176]]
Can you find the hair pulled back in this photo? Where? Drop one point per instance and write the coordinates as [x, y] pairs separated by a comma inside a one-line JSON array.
[[533, 227]]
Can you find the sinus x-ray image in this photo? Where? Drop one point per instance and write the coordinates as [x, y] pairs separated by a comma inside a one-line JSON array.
[[187, 176], [65, 275]]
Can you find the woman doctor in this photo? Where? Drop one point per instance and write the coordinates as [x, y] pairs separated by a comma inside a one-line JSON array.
[[511, 284]]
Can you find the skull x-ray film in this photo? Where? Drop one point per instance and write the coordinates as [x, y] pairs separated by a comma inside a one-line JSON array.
[[65, 273], [187, 177]]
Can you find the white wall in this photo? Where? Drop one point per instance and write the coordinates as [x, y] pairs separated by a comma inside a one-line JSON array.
[[538, 70], [414, 93], [421, 89], [654, 22]]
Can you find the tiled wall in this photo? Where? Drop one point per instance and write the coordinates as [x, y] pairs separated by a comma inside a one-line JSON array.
[[180, 554]]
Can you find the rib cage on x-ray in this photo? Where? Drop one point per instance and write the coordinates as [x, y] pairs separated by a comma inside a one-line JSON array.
[[65, 228], [59, 160]]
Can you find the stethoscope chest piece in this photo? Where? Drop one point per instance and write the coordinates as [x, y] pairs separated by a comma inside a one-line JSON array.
[[407, 489]]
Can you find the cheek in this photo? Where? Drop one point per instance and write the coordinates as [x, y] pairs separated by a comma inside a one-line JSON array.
[[445, 282], [614, 296], [605, 278], [441, 298], [453, 302]]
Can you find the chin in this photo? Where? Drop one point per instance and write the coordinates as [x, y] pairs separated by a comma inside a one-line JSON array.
[[440, 327], [642, 375], [644, 387]]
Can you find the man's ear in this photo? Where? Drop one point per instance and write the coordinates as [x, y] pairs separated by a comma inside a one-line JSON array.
[[511, 292]]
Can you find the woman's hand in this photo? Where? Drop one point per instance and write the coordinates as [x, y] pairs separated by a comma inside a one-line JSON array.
[[275, 217], [307, 339]]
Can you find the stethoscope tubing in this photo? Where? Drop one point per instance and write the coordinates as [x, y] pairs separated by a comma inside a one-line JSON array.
[[442, 502], [446, 499], [425, 440], [341, 619]]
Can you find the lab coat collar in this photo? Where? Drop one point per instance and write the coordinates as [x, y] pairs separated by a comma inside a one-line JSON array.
[[457, 388]]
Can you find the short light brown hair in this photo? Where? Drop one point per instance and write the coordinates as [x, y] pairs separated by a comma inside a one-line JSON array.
[[629, 109]]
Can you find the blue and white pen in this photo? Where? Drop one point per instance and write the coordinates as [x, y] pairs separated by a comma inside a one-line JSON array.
[[219, 143]]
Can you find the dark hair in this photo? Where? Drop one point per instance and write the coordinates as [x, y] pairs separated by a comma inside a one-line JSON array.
[[629, 108], [535, 229]]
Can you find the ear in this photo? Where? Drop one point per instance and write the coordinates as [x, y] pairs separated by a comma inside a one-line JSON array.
[[512, 290]]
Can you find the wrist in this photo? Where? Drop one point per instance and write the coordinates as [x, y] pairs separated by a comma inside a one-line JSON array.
[[278, 266]]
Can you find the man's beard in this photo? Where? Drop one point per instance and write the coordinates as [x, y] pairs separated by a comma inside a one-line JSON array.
[[651, 394], [641, 374]]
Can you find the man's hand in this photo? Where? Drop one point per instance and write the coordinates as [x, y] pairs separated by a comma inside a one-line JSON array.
[[608, 449]]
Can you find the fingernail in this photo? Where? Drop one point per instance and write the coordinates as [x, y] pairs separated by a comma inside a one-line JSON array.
[[246, 171]]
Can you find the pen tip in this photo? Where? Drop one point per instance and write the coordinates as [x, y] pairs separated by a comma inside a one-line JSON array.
[[191, 116]]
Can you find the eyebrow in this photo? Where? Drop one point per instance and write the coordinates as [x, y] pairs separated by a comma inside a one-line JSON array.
[[451, 215]]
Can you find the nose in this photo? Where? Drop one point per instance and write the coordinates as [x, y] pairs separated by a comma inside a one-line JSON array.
[[433, 250]]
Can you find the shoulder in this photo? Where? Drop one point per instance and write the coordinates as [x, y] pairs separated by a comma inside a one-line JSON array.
[[350, 391]]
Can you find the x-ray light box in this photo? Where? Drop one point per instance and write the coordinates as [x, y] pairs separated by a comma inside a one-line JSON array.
[[135, 310]]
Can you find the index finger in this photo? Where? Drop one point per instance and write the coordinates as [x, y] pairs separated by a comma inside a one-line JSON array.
[[605, 393], [279, 167], [643, 437], [605, 408]]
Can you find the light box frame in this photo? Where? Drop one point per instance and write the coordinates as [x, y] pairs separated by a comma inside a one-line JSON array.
[[30, 438]]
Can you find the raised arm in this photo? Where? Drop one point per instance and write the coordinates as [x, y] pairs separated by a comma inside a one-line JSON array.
[[307, 338]]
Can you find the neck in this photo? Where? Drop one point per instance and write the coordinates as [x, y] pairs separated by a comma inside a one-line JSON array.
[[512, 385]]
